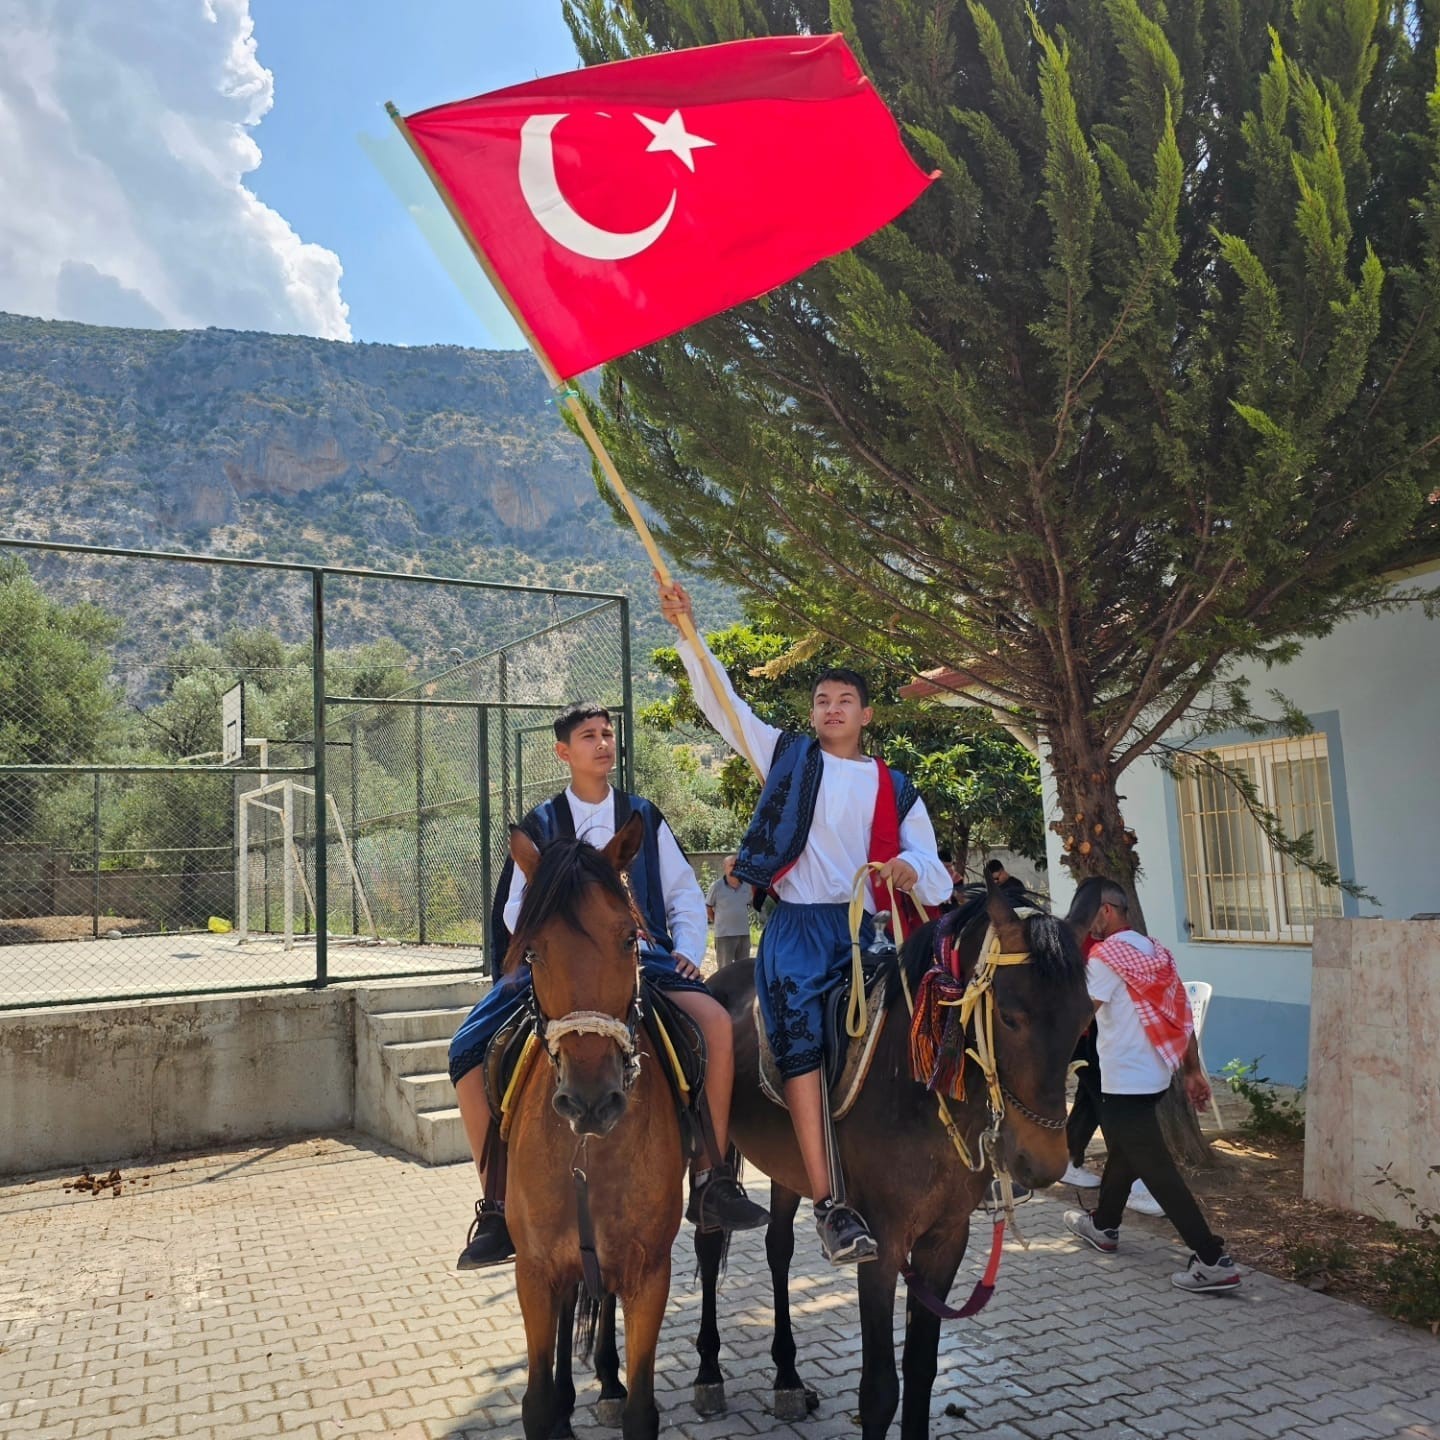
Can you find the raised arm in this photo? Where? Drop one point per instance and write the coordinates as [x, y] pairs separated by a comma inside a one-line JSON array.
[[754, 736]]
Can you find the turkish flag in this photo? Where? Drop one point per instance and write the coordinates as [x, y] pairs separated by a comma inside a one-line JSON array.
[[620, 203]]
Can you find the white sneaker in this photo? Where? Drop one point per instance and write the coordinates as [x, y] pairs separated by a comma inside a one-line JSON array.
[[1080, 1178], [1222, 1275], [1142, 1202]]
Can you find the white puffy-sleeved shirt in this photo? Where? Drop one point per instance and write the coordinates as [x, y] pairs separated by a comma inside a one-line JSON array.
[[684, 899], [839, 840]]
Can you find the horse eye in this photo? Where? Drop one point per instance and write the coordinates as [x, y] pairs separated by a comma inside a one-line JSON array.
[[1008, 1020], [529, 957], [632, 940]]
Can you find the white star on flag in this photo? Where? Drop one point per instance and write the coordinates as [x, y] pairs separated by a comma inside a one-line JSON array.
[[672, 135]]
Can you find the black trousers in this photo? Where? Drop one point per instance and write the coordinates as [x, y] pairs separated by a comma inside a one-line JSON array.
[[1137, 1151], [1084, 1117]]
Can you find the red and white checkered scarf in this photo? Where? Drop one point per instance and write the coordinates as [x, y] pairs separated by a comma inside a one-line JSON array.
[[1159, 994]]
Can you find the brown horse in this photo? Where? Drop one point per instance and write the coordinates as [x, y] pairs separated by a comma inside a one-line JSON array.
[[597, 1119], [901, 1169]]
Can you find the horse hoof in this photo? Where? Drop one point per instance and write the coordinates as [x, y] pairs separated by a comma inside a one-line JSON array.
[[710, 1399], [609, 1413], [793, 1404], [812, 1400]]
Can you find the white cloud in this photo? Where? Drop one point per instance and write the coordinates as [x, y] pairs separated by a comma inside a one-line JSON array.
[[125, 139]]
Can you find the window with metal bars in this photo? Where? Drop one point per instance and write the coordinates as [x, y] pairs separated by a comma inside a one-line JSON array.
[[1237, 885]]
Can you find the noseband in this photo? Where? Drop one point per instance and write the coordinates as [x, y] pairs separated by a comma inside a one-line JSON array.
[[624, 1033]]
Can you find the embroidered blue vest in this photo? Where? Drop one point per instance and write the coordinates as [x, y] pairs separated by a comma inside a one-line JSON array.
[[551, 820], [786, 810]]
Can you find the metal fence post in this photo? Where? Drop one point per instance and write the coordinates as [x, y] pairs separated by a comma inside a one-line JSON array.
[[482, 740], [421, 899], [95, 861], [322, 855], [502, 671], [355, 821], [627, 702]]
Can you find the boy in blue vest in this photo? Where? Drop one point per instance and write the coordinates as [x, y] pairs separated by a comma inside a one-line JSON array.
[[822, 815], [672, 907]]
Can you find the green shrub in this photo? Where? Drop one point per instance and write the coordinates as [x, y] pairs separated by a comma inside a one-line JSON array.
[[1272, 1114], [1411, 1275]]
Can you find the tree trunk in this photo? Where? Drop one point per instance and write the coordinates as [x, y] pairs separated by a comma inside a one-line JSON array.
[[1097, 842], [961, 857]]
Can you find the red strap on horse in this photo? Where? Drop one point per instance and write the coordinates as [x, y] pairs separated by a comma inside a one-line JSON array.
[[979, 1296]]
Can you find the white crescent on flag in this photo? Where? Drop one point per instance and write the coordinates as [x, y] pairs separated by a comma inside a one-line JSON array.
[[558, 218]]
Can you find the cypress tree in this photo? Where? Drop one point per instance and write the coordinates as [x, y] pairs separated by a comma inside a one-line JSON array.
[[1143, 387]]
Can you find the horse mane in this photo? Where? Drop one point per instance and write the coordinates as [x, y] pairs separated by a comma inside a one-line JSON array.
[[1054, 951], [567, 869]]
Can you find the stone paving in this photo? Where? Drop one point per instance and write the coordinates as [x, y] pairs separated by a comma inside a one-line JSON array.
[[305, 1289]]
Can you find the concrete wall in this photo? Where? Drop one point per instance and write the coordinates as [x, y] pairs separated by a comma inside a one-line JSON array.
[[1374, 1096], [1373, 687], [89, 1086]]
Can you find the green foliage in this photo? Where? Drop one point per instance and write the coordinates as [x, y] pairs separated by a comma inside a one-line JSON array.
[[1272, 1114], [1411, 1272], [671, 777], [980, 786], [55, 696], [1141, 388], [56, 701], [1315, 1265]]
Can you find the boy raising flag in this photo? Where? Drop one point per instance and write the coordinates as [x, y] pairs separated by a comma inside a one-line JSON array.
[[825, 810]]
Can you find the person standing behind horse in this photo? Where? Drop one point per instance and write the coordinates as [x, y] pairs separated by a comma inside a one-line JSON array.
[[728, 907], [1145, 1032], [672, 909], [815, 826]]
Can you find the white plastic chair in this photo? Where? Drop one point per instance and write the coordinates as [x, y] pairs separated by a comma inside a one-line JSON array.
[[1200, 992]]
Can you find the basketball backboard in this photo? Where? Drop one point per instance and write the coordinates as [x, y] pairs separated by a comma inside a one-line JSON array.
[[232, 725]]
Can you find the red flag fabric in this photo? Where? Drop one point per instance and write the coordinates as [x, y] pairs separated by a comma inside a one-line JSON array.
[[621, 203]]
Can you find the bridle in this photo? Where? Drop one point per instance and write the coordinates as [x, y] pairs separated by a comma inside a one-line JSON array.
[[623, 1032], [977, 1024]]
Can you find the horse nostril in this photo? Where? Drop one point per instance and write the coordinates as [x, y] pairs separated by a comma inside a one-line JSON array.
[[609, 1110], [567, 1106]]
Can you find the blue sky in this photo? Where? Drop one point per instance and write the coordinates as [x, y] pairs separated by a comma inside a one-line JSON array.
[[335, 63]]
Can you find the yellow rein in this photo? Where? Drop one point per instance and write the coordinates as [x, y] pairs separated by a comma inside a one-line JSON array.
[[980, 988]]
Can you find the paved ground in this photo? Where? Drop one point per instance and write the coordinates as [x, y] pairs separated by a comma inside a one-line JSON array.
[[305, 1290], [66, 970]]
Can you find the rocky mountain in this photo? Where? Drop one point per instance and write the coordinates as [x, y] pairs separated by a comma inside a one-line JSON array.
[[431, 458]]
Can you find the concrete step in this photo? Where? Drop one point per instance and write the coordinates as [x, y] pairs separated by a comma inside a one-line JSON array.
[[395, 995], [428, 1091], [397, 1026], [418, 1057], [442, 1137]]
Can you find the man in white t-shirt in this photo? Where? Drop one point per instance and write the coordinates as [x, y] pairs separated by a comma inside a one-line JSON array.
[[1145, 1033]]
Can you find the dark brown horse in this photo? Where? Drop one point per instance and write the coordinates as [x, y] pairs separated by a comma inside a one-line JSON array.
[[601, 1109], [901, 1170]]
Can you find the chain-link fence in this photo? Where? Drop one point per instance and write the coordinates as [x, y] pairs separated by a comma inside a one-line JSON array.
[[145, 851]]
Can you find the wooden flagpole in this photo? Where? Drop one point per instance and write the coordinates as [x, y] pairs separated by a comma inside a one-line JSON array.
[[582, 421]]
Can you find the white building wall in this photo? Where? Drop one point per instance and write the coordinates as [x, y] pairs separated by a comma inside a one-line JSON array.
[[1373, 686]]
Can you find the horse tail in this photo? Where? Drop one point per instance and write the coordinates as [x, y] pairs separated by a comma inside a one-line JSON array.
[[587, 1317]]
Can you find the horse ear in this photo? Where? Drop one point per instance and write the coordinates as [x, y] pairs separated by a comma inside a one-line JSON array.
[[524, 852], [626, 844], [1001, 913]]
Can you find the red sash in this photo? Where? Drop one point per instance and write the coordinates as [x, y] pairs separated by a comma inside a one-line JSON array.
[[885, 845]]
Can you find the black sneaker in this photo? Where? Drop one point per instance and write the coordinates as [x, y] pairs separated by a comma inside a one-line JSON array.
[[995, 1198], [488, 1242], [844, 1236], [720, 1203]]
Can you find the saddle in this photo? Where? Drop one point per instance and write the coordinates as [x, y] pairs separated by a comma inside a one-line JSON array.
[[847, 1062], [675, 1041]]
